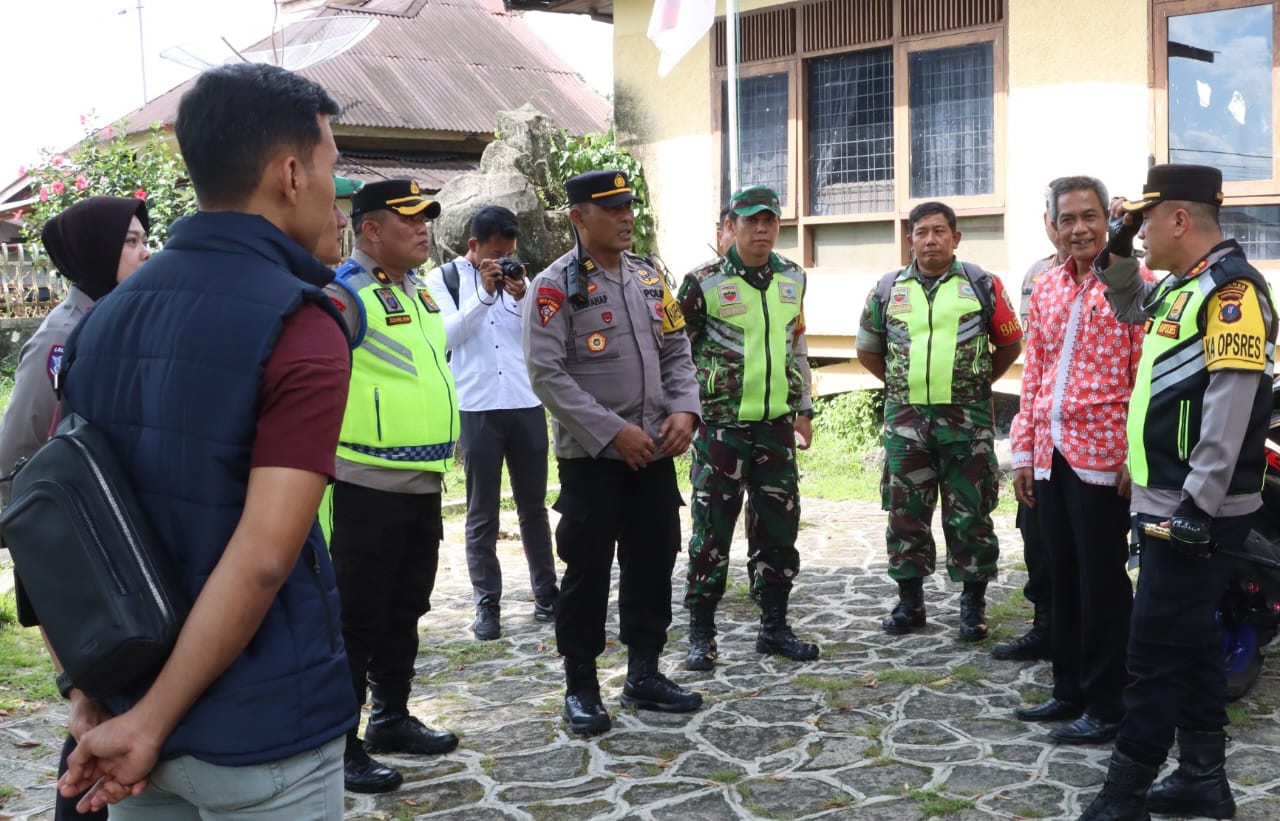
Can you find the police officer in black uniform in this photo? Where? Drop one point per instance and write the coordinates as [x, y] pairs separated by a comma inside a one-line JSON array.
[[1198, 422], [607, 353]]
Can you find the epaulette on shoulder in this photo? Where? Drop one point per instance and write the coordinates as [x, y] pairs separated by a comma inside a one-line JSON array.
[[710, 267]]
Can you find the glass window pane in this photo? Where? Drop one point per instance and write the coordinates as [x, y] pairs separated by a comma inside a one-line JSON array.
[[762, 134], [1255, 227], [851, 133], [952, 120], [1220, 91]]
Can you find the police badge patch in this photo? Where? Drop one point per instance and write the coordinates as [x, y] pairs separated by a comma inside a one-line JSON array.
[[388, 299], [549, 301], [899, 300], [788, 292], [427, 301], [55, 362]]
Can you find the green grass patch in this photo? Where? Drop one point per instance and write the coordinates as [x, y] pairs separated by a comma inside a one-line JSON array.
[[466, 653], [966, 673], [837, 800], [26, 673], [1031, 812], [725, 776], [875, 752], [1034, 697], [1239, 715], [7, 791], [934, 804], [825, 684]]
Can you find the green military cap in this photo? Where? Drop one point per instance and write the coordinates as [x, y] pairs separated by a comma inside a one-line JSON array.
[[753, 199], [344, 187]]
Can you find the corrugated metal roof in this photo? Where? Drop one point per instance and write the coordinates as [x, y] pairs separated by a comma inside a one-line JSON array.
[[450, 67], [431, 171]]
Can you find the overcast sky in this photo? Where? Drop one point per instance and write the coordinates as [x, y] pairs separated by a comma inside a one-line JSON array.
[[66, 58]]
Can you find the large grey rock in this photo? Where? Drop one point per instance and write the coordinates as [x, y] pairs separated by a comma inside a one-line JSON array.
[[512, 169]]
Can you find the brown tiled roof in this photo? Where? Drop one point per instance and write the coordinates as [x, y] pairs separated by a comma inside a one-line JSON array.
[[431, 171], [439, 65]]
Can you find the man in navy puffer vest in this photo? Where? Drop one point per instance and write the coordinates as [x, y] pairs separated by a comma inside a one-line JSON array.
[[220, 376]]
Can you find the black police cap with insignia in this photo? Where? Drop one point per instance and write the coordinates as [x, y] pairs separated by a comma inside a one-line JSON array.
[[1175, 181], [402, 196], [606, 188]]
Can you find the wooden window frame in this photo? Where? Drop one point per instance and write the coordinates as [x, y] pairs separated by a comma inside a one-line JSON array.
[[796, 66], [1243, 192]]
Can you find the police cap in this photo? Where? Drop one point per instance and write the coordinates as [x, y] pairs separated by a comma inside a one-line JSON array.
[[402, 196], [606, 188], [1173, 181]]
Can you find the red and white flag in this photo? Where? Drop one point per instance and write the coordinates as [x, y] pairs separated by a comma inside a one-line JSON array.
[[676, 27]]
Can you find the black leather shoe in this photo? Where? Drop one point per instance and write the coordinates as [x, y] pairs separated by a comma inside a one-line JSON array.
[[1086, 730], [407, 734], [1052, 710], [544, 611], [585, 715], [657, 692], [908, 614], [1034, 645], [488, 624], [973, 612], [360, 773]]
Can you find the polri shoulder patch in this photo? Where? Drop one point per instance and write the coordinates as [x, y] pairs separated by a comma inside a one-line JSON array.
[[390, 303], [427, 301]]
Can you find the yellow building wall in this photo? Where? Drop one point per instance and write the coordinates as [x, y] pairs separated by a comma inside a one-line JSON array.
[[1071, 108]]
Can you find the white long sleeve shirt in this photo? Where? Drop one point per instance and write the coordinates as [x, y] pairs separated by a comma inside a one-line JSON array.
[[483, 333]]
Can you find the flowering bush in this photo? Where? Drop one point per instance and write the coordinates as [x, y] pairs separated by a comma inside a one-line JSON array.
[[110, 163]]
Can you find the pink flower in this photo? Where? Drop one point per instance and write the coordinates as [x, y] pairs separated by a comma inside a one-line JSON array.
[[83, 120], [81, 183], [17, 215], [58, 159], [58, 187], [140, 194], [110, 132], [44, 194], [22, 171]]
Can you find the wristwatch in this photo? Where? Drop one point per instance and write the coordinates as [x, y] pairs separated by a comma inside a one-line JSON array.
[[64, 684]]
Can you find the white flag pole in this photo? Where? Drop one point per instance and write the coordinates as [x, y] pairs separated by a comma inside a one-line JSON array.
[[731, 87]]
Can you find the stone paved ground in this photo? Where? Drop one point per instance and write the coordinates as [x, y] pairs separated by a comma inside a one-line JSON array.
[[878, 728]]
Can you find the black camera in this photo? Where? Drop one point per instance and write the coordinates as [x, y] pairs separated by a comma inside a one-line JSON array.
[[512, 269]]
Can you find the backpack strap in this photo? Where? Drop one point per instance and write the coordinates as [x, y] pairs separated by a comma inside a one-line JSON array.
[[450, 273], [983, 289]]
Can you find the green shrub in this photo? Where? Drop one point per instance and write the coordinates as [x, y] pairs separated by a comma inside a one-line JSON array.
[[593, 153], [854, 419]]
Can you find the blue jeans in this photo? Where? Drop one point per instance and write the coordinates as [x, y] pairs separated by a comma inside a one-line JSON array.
[[304, 786]]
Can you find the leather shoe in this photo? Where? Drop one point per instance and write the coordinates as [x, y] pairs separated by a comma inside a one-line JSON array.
[[585, 715], [407, 734], [360, 773], [1086, 729], [1052, 710]]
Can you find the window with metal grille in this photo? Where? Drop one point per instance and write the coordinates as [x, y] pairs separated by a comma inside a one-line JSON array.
[[762, 134], [1255, 227], [851, 133], [951, 113]]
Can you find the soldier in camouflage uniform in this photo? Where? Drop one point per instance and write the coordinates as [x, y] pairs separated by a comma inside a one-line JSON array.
[[927, 332], [745, 323]]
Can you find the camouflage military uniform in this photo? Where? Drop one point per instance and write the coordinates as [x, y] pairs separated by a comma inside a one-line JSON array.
[[733, 451], [937, 449]]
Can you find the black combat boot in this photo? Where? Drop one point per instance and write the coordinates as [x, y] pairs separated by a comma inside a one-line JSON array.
[[775, 637], [1035, 644], [1124, 793], [1199, 785], [702, 635], [973, 612], [648, 689], [908, 613], [360, 773], [583, 710], [392, 730]]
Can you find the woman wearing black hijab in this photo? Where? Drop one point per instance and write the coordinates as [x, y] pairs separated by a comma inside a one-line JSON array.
[[95, 244]]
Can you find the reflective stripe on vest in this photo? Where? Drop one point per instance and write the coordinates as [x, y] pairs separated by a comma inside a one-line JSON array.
[[931, 331], [402, 409], [759, 326]]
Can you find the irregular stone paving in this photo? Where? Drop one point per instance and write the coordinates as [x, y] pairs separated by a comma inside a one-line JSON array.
[[879, 728]]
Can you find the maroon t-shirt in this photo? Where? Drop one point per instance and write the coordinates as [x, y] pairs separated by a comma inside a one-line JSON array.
[[304, 394]]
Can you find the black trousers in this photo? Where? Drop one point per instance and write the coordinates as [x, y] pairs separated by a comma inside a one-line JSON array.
[[1039, 588], [518, 436], [385, 548], [603, 506], [1085, 529], [64, 809], [1176, 676]]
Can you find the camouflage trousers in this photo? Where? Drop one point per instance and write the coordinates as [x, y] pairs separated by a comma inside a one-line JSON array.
[[759, 458], [965, 474]]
